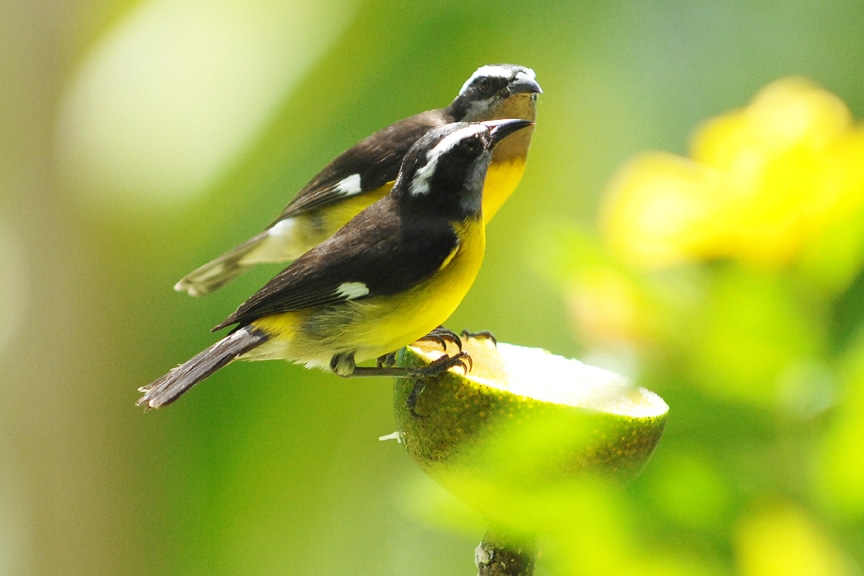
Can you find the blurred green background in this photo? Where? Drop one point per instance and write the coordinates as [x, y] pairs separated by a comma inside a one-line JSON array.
[[138, 140]]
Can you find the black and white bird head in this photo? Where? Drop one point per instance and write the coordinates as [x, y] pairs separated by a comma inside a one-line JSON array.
[[484, 93], [445, 169]]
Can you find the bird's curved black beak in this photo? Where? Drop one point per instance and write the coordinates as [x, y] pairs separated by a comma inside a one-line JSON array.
[[500, 129]]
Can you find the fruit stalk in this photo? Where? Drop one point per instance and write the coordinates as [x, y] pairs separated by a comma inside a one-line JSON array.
[[502, 555]]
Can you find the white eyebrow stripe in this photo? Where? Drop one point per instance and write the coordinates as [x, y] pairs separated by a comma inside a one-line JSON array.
[[348, 186], [420, 182], [352, 290], [488, 70]]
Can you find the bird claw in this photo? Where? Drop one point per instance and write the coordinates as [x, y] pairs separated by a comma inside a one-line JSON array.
[[442, 336], [439, 366], [387, 360], [485, 334], [411, 401], [444, 363]]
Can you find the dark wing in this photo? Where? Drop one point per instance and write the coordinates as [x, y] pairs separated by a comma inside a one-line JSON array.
[[377, 253], [375, 160]]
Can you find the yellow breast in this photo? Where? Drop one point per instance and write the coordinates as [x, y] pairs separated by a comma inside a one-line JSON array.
[[502, 178], [401, 320]]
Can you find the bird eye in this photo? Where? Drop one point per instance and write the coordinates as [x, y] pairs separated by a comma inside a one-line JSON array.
[[472, 146], [484, 85]]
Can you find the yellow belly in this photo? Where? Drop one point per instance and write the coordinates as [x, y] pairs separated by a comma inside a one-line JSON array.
[[372, 327]]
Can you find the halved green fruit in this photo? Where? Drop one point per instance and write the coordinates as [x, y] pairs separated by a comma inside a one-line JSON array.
[[523, 424]]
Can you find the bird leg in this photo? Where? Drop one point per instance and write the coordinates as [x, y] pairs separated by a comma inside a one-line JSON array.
[[345, 366]]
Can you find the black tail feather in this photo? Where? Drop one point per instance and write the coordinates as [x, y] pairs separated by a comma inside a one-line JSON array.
[[168, 388]]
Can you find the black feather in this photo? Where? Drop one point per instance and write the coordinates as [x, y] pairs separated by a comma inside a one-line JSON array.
[[376, 159]]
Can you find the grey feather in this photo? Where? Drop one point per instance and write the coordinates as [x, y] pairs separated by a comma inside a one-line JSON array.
[[174, 384]]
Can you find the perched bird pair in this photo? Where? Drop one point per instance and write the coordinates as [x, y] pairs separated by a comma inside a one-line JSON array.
[[386, 241]]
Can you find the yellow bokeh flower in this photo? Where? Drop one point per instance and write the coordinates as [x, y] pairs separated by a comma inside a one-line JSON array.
[[783, 538], [763, 185]]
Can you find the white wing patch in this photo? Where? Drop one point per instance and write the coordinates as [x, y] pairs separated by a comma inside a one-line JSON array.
[[349, 186], [352, 290], [272, 247], [282, 228], [420, 182]]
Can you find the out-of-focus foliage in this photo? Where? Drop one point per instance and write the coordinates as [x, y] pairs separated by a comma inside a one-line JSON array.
[[723, 277], [139, 139]]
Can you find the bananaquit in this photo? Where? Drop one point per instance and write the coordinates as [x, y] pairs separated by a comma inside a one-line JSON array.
[[387, 278], [363, 174]]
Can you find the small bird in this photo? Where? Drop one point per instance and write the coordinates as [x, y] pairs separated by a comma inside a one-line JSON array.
[[390, 276], [365, 173]]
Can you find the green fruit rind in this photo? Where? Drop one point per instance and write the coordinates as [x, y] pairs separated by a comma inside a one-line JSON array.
[[524, 421]]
